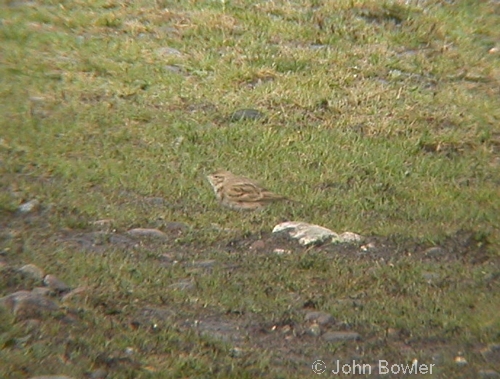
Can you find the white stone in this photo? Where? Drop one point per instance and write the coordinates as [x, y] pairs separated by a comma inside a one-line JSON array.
[[307, 234], [350, 237]]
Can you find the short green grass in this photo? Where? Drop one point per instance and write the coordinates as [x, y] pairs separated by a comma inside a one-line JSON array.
[[382, 118]]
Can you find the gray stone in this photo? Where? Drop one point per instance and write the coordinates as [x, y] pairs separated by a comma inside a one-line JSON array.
[[318, 46], [42, 291], [98, 374], [174, 69], [20, 3], [32, 271], [322, 318], [491, 353], [29, 206], [341, 336], [144, 232], [55, 283], [8, 302], [434, 252], [258, 245], [246, 115], [220, 330], [177, 228], [168, 51], [349, 237], [26, 305]]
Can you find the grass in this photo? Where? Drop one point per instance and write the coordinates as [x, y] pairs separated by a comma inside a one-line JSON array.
[[381, 118]]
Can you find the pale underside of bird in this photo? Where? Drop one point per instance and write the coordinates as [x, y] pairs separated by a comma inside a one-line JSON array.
[[239, 192]]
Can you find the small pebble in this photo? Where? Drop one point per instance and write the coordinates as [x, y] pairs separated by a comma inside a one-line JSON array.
[[392, 333], [322, 318], [98, 374], [246, 115], [55, 283], [314, 330], [461, 361], [258, 245], [348, 237], [29, 206], [368, 247], [139, 232], [32, 271], [174, 69], [168, 51], [177, 228], [236, 352], [434, 252], [281, 251]]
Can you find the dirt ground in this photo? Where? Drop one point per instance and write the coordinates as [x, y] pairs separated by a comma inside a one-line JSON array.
[[290, 342]]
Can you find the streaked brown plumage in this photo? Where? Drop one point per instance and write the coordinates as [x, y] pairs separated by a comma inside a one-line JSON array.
[[240, 193]]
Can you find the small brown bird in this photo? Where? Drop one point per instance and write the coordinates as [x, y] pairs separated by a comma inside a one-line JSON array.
[[240, 193]]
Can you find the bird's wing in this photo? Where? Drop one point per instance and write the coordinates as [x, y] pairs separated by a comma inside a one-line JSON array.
[[244, 192], [251, 192]]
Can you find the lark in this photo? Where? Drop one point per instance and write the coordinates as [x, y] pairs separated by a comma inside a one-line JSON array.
[[240, 193]]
